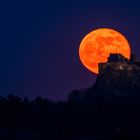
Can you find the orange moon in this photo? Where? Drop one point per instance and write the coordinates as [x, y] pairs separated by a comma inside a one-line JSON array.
[[97, 45]]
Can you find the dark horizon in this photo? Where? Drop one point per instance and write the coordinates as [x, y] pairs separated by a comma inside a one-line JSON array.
[[40, 42]]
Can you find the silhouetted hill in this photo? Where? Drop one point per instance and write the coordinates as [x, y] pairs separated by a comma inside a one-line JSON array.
[[104, 119], [117, 77], [108, 110]]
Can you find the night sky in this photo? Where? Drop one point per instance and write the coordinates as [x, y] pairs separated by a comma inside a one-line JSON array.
[[39, 42]]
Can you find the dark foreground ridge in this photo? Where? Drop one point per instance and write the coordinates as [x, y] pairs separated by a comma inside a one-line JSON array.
[[109, 110]]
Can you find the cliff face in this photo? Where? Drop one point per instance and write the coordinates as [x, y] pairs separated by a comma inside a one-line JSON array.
[[119, 78]]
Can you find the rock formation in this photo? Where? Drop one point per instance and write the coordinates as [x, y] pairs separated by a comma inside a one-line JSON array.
[[119, 76]]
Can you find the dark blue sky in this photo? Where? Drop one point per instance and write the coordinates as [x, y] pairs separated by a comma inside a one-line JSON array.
[[39, 42]]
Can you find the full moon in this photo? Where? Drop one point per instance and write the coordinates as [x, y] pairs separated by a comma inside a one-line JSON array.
[[97, 45]]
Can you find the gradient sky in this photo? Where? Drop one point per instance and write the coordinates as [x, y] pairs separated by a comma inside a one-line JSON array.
[[39, 42]]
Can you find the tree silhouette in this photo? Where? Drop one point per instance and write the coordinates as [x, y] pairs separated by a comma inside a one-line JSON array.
[[106, 118]]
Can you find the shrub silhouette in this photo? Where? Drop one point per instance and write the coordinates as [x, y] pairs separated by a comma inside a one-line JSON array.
[[104, 118]]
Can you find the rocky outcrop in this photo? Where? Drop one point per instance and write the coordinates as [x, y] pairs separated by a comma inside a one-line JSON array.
[[119, 78]]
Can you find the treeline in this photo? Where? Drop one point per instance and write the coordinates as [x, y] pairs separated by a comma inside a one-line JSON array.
[[113, 118]]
